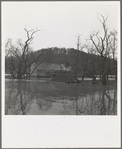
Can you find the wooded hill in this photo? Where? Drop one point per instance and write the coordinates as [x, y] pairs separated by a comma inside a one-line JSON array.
[[80, 62]]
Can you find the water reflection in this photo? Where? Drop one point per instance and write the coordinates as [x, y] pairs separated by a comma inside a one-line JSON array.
[[51, 98]]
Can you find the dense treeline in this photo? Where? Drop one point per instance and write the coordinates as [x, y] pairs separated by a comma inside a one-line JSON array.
[[88, 64]]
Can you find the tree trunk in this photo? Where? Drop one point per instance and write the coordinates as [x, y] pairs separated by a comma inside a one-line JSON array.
[[82, 77], [115, 77], [12, 76], [19, 76], [94, 78], [104, 79], [100, 77], [102, 107]]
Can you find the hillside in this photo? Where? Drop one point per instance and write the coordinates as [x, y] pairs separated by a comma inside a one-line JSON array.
[[79, 61]]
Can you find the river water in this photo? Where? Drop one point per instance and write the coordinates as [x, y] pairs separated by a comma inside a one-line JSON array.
[[36, 97]]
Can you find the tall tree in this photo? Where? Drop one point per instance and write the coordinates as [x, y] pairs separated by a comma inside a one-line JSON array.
[[77, 55], [20, 58], [102, 46]]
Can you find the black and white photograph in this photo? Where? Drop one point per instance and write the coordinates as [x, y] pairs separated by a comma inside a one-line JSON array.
[[61, 59]]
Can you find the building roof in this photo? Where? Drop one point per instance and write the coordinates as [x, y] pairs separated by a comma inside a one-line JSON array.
[[64, 78], [51, 66]]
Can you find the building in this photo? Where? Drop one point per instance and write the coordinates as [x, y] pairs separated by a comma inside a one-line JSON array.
[[48, 69], [67, 78]]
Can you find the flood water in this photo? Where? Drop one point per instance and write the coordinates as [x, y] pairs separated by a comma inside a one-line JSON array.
[[53, 98]]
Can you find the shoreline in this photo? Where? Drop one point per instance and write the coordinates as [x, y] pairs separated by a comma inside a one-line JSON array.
[[47, 80]]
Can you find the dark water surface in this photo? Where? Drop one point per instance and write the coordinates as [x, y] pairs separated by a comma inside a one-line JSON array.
[[53, 98]]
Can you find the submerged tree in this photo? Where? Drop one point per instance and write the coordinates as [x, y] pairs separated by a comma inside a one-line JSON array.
[[104, 46], [77, 55], [81, 59], [20, 58]]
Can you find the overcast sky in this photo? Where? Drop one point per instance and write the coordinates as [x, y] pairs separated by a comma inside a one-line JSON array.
[[58, 22]]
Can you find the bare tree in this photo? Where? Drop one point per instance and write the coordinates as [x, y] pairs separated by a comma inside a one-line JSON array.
[[93, 64], [84, 63], [77, 55], [20, 58], [102, 46], [113, 47], [81, 59]]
